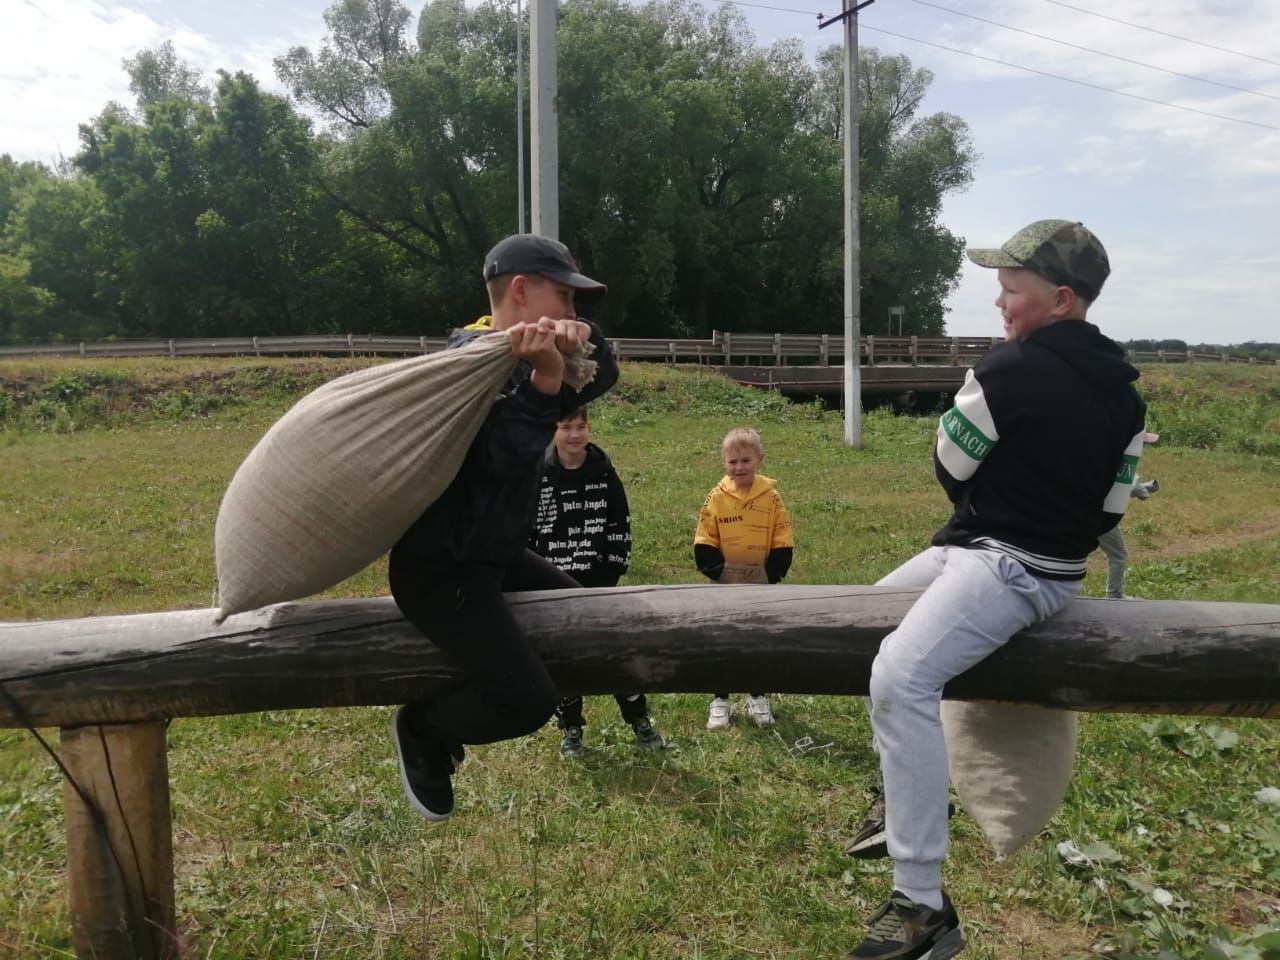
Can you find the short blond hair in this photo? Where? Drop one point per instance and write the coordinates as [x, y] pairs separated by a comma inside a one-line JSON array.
[[742, 437]]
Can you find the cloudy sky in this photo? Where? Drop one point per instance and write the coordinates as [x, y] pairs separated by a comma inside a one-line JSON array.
[[1186, 200]]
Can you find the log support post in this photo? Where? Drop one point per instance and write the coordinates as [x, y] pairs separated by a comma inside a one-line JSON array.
[[120, 858]]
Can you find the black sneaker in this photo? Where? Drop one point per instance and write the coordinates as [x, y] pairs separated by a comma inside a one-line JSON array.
[[870, 842], [904, 930], [426, 770], [646, 736], [571, 743]]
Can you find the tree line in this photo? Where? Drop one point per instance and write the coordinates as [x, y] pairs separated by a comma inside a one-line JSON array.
[[700, 177]]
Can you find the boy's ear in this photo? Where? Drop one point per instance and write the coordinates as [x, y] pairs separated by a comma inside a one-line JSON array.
[[1064, 302], [518, 289]]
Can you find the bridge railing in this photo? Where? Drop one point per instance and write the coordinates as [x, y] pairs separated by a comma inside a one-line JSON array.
[[723, 348]]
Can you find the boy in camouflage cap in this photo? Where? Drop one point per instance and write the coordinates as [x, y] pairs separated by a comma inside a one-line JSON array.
[[1037, 456]]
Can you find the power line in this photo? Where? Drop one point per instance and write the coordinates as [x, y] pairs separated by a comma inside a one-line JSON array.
[[1082, 83], [1138, 26], [1101, 53], [765, 6]]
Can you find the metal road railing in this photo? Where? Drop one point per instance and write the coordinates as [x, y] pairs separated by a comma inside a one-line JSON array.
[[723, 348]]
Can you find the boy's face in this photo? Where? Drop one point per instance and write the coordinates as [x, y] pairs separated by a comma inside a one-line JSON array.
[[544, 297], [571, 437], [1027, 302], [741, 463]]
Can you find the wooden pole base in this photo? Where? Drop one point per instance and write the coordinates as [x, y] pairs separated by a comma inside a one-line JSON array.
[[119, 859]]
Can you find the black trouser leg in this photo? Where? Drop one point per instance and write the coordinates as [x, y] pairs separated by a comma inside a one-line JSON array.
[[506, 691], [569, 713], [632, 706]]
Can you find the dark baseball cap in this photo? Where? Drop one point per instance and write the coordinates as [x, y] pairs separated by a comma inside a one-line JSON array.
[[1064, 252], [531, 253]]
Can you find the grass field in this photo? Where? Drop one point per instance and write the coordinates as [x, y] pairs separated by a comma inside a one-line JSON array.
[[292, 839]]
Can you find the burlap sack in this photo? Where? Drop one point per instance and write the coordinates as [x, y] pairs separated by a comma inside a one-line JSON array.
[[336, 480], [1010, 764]]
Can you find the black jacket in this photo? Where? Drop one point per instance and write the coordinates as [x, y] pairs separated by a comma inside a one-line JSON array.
[[584, 524], [487, 512], [1041, 448]]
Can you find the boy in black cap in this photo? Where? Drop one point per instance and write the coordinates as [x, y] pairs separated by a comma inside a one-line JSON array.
[[1037, 456], [449, 570]]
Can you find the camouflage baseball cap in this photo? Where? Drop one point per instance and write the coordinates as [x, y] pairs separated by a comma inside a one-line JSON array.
[[1064, 252]]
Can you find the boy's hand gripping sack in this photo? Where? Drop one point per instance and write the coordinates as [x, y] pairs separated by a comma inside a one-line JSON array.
[[338, 479]]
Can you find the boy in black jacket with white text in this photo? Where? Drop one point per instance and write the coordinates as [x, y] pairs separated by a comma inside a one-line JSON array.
[[584, 528]]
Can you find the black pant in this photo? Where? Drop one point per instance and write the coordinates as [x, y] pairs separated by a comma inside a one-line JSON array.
[[506, 691], [632, 706]]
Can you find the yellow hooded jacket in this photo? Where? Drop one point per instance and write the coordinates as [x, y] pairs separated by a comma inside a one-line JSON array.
[[744, 527]]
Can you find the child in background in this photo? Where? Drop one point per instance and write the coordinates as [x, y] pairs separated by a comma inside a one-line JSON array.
[[743, 536], [1112, 542], [584, 528]]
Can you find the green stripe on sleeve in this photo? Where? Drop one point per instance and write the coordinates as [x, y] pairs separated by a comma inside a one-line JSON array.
[[969, 439], [1128, 471]]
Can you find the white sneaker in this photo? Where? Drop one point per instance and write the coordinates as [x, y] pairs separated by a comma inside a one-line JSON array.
[[718, 717], [759, 711]]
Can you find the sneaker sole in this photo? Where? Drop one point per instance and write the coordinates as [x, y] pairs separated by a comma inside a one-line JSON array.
[[874, 847], [718, 724], [423, 810], [948, 946]]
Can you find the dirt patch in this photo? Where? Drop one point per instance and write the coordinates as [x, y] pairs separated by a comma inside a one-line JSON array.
[[1249, 908]]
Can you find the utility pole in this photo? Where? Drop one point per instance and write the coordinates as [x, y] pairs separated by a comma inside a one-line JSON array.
[[519, 119], [542, 118], [852, 274]]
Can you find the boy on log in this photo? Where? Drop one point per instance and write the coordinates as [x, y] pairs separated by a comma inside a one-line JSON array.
[[1037, 456], [450, 569]]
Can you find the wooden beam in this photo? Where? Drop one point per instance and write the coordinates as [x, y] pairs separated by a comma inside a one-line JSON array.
[[1134, 656], [119, 842]]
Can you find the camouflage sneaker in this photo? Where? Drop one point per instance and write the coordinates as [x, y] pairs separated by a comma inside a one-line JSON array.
[[571, 743], [870, 842], [904, 930], [646, 736]]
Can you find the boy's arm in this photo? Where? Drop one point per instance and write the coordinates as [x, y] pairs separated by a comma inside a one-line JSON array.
[[781, 544], [709, 560], [777, 563], [617, 528], [967, 432], [706, 541]]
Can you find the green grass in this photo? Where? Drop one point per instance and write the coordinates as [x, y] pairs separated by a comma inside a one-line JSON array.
[[292, 839]]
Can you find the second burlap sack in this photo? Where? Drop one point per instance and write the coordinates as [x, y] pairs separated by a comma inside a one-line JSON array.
[[336, 480], [1010, 764]]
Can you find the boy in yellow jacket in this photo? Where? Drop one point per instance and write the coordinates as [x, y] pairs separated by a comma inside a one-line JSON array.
[[743, 536]]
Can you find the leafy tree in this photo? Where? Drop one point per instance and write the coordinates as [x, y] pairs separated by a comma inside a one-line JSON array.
[[907, 164], [156, 75], [54, 230], [23, 306], [16, 178], [346, 79]]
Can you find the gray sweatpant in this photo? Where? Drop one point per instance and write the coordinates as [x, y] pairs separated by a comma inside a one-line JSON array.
[[1112, 544], [974, 601]]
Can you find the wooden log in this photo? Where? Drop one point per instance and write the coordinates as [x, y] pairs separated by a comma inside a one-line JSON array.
[[119, 842], [1134, 656]]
